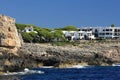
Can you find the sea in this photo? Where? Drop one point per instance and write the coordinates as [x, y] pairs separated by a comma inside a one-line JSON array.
[[79, 73]]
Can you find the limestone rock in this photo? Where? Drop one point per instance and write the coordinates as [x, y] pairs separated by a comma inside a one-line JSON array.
[[8, 33]]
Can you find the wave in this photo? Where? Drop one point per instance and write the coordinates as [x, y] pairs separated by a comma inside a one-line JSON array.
[[78, 66], [26, 71], [116, 64], [47, 67]]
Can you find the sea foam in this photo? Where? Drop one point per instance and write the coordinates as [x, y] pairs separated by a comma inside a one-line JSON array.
[[26, 71]]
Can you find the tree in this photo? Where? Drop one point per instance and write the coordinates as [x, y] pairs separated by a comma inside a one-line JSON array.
[[49, 36], [58, 34], [68, 28], [27, 37], [44, 34], [20, 26], [112, 25], [34, 36]]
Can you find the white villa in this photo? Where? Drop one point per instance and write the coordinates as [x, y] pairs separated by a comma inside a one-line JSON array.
[[29, 29], [80, 34], [90, 33]]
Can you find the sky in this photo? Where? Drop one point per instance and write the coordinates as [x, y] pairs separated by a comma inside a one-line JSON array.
[[60, 13]]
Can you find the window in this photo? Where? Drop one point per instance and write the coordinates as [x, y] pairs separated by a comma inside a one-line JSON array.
[[115, 34], [30, 30], [107, 29], [102, 33], [80, 34], [79, 29], [83, 30], [115, 30], [110, 29], [118, 30], [96, 30], [110, 33], [90, 29], [107, 33], [90, 34], [72, 34]]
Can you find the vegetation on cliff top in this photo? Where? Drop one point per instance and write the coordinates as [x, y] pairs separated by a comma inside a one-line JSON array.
[[68, 28], [43, 34]]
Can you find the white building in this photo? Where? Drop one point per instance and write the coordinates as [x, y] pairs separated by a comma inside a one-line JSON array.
[[29, 29], [93, 33], [107, 32], [84, 33]]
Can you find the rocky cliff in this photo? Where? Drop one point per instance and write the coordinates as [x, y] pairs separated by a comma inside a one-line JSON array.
[[9, 41], [8, 33], [66, 56]]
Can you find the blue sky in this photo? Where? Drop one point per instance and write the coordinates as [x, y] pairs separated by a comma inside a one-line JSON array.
[[60, 13]]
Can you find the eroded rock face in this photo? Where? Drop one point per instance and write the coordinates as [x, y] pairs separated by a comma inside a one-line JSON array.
[[9, 44], [8, 32]]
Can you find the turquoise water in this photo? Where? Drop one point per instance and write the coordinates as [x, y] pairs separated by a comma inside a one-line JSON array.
[[88, 73]]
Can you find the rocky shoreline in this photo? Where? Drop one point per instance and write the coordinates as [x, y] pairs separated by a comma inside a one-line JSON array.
[[39, 55], [98, 54]]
